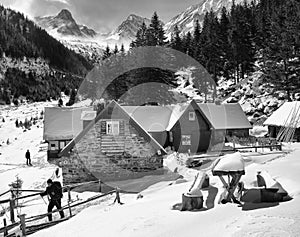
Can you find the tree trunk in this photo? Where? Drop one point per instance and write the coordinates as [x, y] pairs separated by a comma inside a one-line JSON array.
[[191, 203]]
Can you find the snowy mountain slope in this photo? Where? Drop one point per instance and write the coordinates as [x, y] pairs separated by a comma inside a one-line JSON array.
[[127, 30], [64, 24], [185, 20]]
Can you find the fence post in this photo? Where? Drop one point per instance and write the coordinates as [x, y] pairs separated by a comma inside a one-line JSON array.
[[11, 208], [5, 229], [100, 186], [69, 201], [23, 226]]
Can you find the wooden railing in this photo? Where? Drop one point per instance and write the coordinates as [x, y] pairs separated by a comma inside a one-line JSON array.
[[23, 223]]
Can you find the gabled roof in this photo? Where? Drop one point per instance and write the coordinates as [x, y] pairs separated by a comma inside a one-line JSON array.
[[287, 115], [225, 116], [151, 118], [177, 112], [121, 113], [62, 123]]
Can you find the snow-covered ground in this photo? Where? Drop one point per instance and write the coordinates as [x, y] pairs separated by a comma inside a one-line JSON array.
[[157, 214]]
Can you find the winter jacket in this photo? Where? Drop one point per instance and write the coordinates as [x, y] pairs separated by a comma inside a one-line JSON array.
[[54, 191]]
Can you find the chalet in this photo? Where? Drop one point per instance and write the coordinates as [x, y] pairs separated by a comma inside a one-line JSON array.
[[61, 125], [284, 123], [189, 129], [113, 146]]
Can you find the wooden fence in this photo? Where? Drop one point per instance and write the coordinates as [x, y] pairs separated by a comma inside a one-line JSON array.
[[23, 225]]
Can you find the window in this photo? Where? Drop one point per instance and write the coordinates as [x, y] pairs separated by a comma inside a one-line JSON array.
[[186, 140], [192, 116], [53, 145], [61, 145], [112, 127]]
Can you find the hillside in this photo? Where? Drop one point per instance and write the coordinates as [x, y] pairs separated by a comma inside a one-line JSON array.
[[33, 64]]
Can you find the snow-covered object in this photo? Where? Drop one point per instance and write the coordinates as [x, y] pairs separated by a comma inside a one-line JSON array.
[[229, 164], [287, 115]]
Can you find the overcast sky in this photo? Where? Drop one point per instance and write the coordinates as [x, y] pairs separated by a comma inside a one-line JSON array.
[[102, 15]]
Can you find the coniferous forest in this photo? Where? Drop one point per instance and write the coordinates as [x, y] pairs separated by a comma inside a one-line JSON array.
[[258, 36], [20, 38], [262, 35]]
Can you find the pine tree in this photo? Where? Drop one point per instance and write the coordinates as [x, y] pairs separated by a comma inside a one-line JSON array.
[[282, 63], [140, 37], [122, 50], [106, 53], [176, 41], [155, 32], [116, 50], [187, 43]]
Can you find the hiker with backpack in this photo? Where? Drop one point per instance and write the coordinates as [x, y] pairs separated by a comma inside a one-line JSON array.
[[54, 192]]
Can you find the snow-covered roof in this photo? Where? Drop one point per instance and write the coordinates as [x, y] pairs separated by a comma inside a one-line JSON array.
[[177, 111], [151, 118], [225, 116], [287, 115], [229, 163], [62, 123], [113, 104]]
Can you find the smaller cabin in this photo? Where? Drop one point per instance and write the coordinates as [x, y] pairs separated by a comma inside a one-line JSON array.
[[61, 125], [226, 119]]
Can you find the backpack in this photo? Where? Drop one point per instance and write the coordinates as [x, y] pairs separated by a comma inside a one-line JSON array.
[[59, 188]]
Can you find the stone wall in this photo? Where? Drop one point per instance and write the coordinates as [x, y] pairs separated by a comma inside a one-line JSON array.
[[106, 157]]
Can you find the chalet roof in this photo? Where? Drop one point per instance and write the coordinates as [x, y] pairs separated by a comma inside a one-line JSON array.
[[225, 116], [151, 118], [62, 123], [115, 106], [286, 115]]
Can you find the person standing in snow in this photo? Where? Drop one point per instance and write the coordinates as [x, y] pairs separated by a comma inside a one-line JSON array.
[[54, 192], [28, 159]]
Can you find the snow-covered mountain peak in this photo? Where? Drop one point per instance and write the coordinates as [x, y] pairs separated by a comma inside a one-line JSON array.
[[65, 14], [185, 20], [63, 24]]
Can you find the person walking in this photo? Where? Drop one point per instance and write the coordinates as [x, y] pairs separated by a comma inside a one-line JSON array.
[[54, 192], [28, 159]]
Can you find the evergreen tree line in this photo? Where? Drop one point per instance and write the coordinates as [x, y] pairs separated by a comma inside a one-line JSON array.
[[36, 87], [230, 45]]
